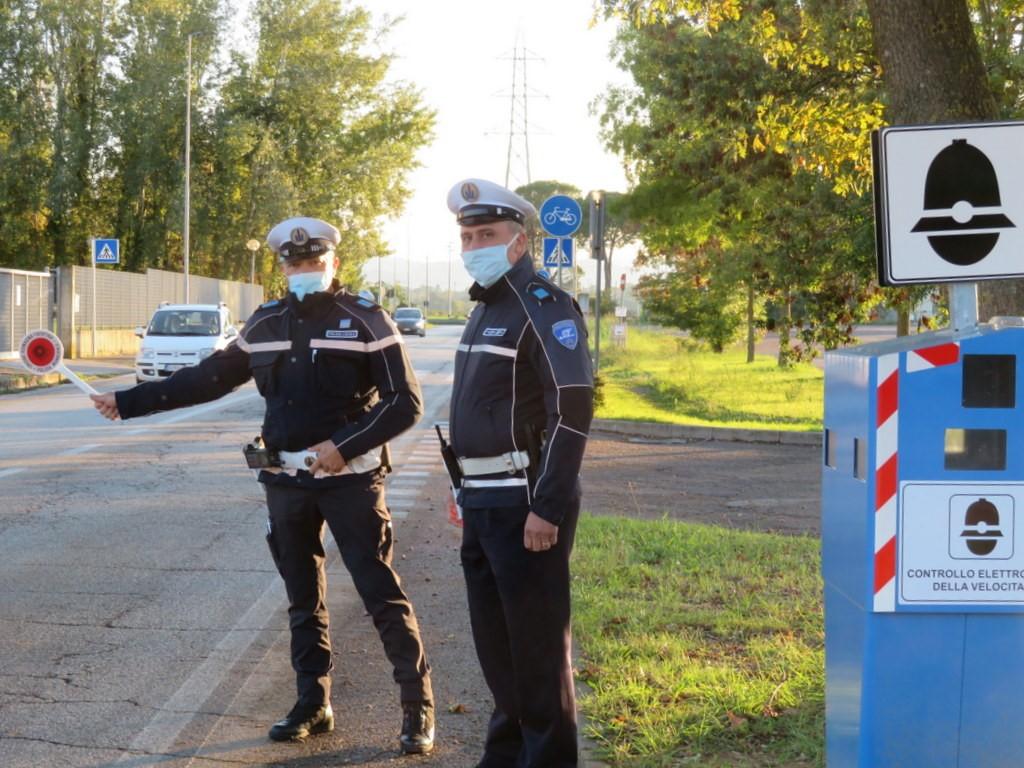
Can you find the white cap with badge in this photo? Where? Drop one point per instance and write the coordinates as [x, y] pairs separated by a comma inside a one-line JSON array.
[[302, 237], [478, 201]]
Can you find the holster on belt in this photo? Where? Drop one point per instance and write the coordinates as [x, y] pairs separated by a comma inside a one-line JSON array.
[[258, 456]]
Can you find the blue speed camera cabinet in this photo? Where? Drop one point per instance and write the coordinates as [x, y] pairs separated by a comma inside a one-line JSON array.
[[923, 550]]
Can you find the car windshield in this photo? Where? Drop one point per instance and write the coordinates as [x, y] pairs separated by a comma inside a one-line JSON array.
[[185, 322], [408, 314]]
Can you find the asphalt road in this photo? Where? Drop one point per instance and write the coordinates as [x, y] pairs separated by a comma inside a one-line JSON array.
[[142, 622], [141, 619]]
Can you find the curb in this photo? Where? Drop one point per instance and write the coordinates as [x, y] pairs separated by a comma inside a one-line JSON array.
[[659, 431], [15, 382]]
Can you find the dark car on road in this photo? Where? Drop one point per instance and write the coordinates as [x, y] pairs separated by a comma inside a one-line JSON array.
[[411, 320]]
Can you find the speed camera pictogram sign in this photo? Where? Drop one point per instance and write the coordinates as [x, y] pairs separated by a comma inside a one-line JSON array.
[[949, 202]]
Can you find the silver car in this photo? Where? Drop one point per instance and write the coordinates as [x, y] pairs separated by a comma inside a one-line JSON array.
[[411, 320]]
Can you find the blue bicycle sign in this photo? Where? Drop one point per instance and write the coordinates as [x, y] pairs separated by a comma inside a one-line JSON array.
[[560, 215]]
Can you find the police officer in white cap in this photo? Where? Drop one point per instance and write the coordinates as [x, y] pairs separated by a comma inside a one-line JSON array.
[[338, 386], [520, 412]]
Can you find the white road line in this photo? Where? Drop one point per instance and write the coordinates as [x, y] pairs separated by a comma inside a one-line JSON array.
[[79, 449], [398, 514], [403, 491], [11, 471], [413, 473], [182, 708]]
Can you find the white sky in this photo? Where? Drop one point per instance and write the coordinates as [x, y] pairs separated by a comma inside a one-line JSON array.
[[458, 52]]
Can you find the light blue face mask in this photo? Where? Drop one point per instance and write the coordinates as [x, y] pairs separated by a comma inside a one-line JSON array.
[[309, 282], [487, 265]]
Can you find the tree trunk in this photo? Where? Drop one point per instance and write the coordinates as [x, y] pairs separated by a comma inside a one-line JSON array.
[[902, 321], [750, 322], [934, 73], [784, 326]]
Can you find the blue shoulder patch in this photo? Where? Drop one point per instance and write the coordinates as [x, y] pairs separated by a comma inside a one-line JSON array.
[[271, 303], [565, 333], [539, 292], [366, 303]]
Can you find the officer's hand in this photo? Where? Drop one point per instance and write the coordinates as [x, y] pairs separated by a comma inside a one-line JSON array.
[[106, 404], [327, 458], [539, 535]]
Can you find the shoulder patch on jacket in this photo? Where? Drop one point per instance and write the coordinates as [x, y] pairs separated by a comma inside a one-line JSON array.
[[540, 292], [268, 304], [565, 333]]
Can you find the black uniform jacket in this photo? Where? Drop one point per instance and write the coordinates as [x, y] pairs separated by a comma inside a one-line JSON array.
[[332, 366], [523, 377]]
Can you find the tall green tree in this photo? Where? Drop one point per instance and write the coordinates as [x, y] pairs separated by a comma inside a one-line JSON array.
[[147, 111], [75, 43], [25, 148], [729, 208], [312, 126]]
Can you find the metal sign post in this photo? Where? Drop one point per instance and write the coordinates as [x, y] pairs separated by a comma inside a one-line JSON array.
[[597, 207]]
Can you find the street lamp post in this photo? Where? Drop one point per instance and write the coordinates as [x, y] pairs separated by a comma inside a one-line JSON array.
[[253, 246]]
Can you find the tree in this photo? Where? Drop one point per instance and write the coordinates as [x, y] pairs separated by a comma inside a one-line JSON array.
[[25, 148], [739, 216], [312, 125], [934, 72], [92, 98]]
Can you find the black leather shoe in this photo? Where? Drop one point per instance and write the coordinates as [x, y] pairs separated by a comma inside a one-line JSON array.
[[304, 720], [417, 727]]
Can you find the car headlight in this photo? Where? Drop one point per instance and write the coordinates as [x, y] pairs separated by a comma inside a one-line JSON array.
[[146, 353], [205, 353]]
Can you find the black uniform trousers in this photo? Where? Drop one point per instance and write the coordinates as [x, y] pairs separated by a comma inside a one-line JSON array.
[[519, 611], [361, 525]]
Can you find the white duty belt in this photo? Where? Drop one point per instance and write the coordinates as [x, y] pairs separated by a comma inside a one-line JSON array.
[[511, 462], [293, 461]]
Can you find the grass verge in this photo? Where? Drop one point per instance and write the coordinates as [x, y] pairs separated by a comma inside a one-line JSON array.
[[702, 645], [659, 376]]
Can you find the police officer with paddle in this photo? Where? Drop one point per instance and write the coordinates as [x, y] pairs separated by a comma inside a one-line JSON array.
[[338, 386]]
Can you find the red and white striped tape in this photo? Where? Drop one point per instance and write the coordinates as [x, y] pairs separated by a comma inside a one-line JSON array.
[[886, 481], [932, 357]]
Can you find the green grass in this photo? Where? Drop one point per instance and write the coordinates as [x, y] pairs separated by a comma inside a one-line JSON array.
[[702, 645], [659, 376]]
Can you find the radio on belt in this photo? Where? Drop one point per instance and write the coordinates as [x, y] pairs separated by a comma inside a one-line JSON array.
[[923, 484]]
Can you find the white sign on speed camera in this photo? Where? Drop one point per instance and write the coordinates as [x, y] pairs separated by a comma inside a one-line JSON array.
[[949, 202]]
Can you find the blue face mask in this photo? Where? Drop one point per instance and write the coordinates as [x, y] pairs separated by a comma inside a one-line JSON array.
[[487, 265], [309, 282]]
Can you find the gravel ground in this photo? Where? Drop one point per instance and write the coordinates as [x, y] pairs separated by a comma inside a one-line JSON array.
[[760, 486]]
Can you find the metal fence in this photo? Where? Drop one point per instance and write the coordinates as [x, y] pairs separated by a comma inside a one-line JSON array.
[[26, 303], [127, 299], [63, 302]]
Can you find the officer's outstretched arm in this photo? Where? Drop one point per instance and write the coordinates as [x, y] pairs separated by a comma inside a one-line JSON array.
[[562, 360], [214, 377], [401, 402]]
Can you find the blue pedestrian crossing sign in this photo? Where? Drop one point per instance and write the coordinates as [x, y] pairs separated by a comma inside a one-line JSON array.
[[106, 250], [558, 251]]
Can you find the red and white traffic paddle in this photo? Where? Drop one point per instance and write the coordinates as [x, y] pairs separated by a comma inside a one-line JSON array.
[[41, 352]]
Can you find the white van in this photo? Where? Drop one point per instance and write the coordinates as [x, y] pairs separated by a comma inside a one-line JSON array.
[[180, 335]]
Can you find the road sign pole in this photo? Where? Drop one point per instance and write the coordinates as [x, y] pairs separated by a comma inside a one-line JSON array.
[[963, 305], [92, 248]]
